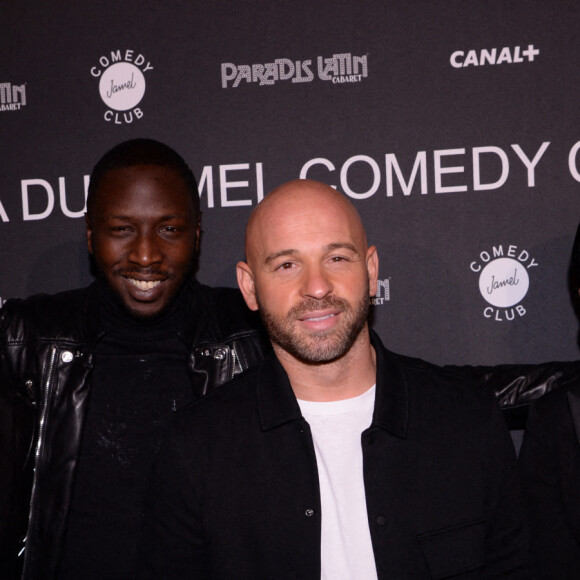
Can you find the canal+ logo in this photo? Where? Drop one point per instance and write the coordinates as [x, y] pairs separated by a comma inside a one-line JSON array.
[[122, 84], [504, 281]]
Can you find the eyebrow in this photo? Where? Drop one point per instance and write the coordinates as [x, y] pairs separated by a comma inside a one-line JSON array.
[[328, 248]]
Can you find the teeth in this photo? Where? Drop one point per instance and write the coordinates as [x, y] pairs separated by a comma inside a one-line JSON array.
[[144, 284], [320, 318]]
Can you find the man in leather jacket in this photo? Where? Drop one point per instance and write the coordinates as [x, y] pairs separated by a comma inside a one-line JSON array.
[[89, 378]]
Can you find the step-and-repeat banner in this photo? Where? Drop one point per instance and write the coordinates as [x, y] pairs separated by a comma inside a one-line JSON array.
[[453, 126]]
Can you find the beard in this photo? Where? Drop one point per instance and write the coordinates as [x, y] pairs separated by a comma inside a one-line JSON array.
[[323, 346]]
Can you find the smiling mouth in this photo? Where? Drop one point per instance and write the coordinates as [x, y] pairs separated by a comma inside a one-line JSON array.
[[144, 284], [319, 318]]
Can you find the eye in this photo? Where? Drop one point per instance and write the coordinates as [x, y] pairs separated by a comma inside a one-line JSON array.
[[170, 229], [338, 259], [285, 266]]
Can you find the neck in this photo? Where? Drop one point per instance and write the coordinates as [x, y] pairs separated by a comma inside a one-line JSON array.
[[347, 377]]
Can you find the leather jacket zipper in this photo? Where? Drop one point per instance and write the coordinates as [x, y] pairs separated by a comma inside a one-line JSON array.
[[40, 442], [235, 361]]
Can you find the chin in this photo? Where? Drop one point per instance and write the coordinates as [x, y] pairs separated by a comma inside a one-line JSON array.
[[146, 314]]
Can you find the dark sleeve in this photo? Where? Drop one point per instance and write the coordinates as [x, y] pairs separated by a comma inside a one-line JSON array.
[[517, 385], [506, 545], [172, 545], [548, 453], [16, 433]]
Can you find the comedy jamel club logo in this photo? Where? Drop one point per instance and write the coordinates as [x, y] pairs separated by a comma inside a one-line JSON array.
[[504, 281], [122, 84]]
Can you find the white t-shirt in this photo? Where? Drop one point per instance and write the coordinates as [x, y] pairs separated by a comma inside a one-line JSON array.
[[346, 549]]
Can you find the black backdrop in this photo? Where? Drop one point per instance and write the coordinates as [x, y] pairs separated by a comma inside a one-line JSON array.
[[453, 125]]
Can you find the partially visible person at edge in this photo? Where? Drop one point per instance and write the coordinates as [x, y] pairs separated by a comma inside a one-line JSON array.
[[334, 458], [89, 378], [550, 460]]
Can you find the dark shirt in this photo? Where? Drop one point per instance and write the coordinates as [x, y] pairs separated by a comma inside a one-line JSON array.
[[140, 378]]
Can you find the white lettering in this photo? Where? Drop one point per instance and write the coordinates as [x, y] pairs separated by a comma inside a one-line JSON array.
[[504, 56], [63, 204], [531, 164], [344, 177], [487, 57], [477, 185], [471, 59], [531, 52], [225, 185], [27, 215], [572, 161], [317, 161], [392, 163], [439, 171], [299, 78], [207, 178], [229, 72], [116, 56], [286, 68], [455, 62], [3, 213]]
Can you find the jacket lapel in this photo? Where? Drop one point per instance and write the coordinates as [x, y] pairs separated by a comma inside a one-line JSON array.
[[392, 396]]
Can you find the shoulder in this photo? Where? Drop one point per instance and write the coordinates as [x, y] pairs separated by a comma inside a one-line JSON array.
[[44, 315], [228, 303], [434, 391], [426, 375], [223, 314]]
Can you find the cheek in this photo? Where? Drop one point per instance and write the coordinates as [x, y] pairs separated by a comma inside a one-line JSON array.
[[107, 252], [272, 297]]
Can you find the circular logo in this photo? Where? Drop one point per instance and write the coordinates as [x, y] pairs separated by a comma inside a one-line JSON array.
[[122, 86], [504, 282]]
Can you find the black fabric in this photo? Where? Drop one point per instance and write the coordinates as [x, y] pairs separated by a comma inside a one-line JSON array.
[[235, 490], [139, 380], [47, 345], [550, 460]]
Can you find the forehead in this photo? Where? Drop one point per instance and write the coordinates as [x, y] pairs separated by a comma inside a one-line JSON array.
[[304, 223], [143, 189]]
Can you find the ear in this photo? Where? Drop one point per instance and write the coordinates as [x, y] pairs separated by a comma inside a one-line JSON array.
[[373, 269], [89, 233], [246, 284]]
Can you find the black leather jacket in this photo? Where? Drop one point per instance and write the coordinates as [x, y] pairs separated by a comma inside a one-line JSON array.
[[46, 360]]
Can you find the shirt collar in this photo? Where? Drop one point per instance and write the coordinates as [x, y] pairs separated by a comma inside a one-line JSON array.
[[277, 403]]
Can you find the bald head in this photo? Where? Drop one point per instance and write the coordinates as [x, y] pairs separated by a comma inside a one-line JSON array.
[[298, 205]]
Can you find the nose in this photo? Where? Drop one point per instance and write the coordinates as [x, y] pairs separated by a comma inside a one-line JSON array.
[[316, 283], [145, 250]]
